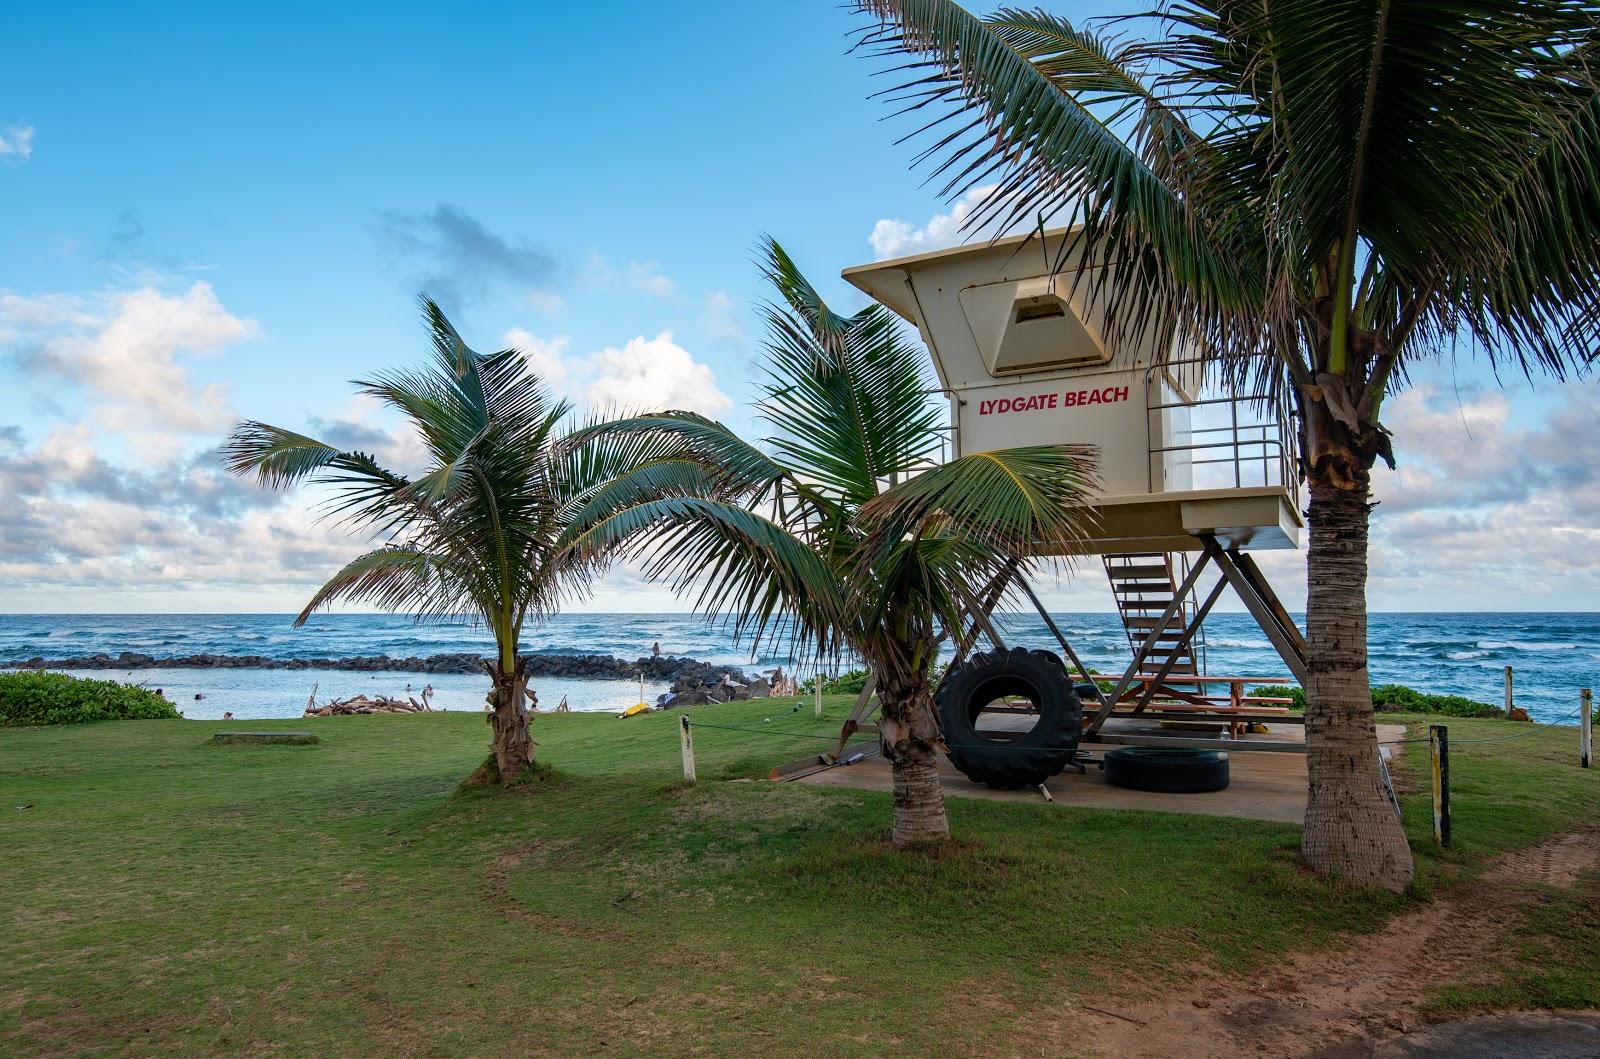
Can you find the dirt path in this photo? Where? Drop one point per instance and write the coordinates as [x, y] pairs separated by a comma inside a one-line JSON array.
[[1341, 1004]]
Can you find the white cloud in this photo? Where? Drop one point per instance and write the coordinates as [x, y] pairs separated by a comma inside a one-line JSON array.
[[545, 300], [722, 321], [1489, 507], [546, 356], [646, 276], [897, 238], [653, 373], [16, 144], [642, 374], [130, 350]]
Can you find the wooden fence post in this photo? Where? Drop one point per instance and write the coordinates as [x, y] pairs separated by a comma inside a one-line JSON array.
[[688, 748], [1586, 728], [819, 691], [1439, 751], [1510, 699]]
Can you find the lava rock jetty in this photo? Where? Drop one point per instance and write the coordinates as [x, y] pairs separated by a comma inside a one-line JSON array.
[[688, 672]]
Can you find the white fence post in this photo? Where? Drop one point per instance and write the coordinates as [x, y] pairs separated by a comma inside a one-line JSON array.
[[1586, 729], [688, 748]]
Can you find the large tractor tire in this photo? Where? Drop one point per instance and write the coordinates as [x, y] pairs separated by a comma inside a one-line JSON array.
[[1010, 760], [1177, 770]]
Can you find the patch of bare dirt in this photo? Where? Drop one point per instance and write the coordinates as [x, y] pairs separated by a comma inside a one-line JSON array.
[[1338, 1004], [497, 881]]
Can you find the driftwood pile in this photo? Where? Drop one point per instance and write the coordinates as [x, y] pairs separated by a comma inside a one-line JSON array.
[[362, 704]]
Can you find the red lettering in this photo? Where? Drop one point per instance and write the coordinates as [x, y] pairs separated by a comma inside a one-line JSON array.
[[1122, 394]]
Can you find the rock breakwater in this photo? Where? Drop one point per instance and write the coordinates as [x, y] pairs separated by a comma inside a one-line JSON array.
[[679, 670]]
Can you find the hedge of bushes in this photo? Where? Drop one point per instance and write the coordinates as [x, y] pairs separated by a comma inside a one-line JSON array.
[[1397, 698], [55, 698], [1394, 698], [849, 683]]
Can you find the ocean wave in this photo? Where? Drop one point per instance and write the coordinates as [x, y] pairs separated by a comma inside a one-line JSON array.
[[1464, 656], [1526, 645], [1223, 641]]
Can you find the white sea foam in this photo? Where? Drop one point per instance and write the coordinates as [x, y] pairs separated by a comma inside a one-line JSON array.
[[1525, 645], [1464, 656]]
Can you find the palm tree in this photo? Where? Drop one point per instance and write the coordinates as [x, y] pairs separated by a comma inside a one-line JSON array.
[[1337, 188], [474, 534], [842, 533]]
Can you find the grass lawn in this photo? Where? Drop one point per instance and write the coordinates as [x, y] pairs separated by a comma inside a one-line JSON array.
[[167, 895]]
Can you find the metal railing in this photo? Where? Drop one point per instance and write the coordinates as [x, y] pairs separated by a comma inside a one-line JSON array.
[[1225, 440]]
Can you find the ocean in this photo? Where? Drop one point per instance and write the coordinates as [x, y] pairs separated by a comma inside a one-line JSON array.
[[1554, 654]]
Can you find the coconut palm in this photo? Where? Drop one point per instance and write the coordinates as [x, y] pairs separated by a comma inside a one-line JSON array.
[[842, 533], [1343, 186], [472, 536]]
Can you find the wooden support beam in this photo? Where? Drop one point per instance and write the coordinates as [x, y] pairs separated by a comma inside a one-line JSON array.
[[1193, 627], [1287, 640], [1145, 648]]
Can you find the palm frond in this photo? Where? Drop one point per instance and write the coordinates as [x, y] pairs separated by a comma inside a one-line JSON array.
[[1009, 502], [732, 560], [851, 403], [394, 578], [476, 530], [1044, 111]]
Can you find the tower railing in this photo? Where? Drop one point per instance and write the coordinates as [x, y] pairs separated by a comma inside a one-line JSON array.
[[1220, 440]]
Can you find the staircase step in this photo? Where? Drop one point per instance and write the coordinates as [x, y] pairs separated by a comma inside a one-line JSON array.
[[1124, 573], [1144, 586]]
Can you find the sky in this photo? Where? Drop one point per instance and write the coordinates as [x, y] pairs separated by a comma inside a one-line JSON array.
[[210, 212]]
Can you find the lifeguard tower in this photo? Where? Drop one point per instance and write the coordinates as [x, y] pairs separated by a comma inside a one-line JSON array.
[[1191, 477]]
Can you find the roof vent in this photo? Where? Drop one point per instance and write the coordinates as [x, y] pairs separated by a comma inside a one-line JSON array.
[[1029, 325]]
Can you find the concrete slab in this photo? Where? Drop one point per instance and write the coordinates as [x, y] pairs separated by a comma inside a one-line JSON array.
[[1263, 785], [1529, 1036]]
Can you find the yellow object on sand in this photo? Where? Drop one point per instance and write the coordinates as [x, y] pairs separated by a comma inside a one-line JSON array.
[[638, 707]]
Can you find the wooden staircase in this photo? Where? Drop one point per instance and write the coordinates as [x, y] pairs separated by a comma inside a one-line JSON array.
[[1144, 585]]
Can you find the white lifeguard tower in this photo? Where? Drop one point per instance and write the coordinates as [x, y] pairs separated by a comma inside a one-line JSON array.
[[1191, 476]]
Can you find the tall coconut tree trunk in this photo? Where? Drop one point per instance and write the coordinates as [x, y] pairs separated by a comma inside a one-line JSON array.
[[909, 730], [1351, 829], [511, 741]]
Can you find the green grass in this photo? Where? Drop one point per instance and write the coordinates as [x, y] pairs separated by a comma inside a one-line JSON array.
[[166, 896], [1556, 960]]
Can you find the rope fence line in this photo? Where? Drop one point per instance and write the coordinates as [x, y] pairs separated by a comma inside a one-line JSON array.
[[1530, 730], [790, 733], [1407, 741]]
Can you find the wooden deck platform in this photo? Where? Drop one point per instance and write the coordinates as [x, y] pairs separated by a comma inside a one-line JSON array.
[[1264, 786]]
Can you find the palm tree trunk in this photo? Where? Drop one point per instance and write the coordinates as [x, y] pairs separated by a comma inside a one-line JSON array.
[[511, 740], [1351, 829], [909, 729]]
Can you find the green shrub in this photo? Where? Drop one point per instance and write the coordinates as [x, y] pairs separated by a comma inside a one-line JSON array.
[[849, 683], [55, 698], [1277, 691], [1398, 697]]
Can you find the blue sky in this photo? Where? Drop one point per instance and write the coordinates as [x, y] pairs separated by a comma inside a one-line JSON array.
[[220, 210]]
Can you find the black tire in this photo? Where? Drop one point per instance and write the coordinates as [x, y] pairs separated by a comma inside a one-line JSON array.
[[1170, 771], [1023, 760]]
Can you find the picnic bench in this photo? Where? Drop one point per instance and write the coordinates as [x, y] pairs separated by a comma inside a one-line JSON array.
[[1176, 705]]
